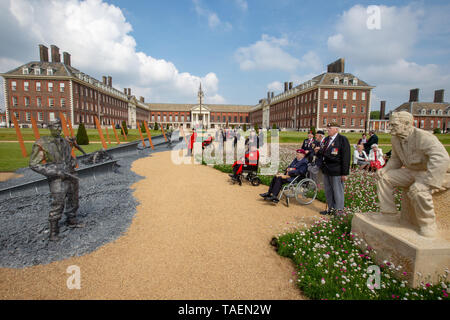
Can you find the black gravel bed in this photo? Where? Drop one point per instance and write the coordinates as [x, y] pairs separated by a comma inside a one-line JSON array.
[[107, 208]]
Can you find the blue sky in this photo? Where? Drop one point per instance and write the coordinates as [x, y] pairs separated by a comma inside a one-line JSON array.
[[239, 49]]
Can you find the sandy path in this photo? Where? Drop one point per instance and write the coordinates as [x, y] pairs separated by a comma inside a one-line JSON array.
[[194, 236]]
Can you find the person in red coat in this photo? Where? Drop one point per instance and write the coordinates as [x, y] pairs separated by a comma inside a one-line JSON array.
[[251, 159], [191, 142]]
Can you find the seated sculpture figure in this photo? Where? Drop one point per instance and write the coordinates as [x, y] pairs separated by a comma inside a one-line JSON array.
[[418, 165]]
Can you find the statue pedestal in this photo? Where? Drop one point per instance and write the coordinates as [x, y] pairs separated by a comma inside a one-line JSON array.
[[401, 245]]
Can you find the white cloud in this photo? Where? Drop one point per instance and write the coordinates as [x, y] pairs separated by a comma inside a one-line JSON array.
[[242, 4], [266, 54], [275, 86], [384, 57], [97, 36], [214, 21]]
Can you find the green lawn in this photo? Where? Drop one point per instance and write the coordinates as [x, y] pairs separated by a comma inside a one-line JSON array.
[[11, 157], [9, 134]]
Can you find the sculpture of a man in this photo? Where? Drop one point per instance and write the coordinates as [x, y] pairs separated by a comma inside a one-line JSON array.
[[418, 165], [51, 157]]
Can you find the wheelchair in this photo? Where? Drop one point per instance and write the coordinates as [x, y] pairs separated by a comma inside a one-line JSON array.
[[249, 173], [302, 188]]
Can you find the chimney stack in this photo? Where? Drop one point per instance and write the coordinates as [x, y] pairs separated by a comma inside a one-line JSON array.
[[109, 81], [43, 53], [125, 91], [66, 57], [337, 67], [439, 96], [129, 91], [290, 85], [414, 95], [56, 57], [272, 94], [104, 80], [285, 86], [142, 99], [382, 109]]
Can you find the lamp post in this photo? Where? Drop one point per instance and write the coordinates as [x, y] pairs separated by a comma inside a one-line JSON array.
[[200, 98]]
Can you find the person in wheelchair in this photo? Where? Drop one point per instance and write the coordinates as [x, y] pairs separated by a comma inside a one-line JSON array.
[[207, 142], [298, 166], [250, 161]]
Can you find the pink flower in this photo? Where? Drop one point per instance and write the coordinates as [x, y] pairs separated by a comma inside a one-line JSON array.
[[343, 289]]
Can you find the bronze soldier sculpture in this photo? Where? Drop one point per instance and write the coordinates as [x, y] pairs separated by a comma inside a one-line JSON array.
[[51, 157]]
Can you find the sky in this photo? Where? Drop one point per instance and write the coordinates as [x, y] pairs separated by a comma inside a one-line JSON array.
[[237, 49]]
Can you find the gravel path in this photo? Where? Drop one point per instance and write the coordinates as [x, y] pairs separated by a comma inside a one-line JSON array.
[[194, 236]]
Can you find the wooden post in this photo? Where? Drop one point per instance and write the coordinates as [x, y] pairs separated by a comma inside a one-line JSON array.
[[35, 128], [19, 135], [99, 128], [66, 130], [123, 131], [140, 133], [70, 127], [115, 133], [149, 135], [162, 129], [64, 125], [107, 135]]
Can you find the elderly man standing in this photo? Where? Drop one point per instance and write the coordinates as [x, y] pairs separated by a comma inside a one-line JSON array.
[[418, 164], [335, 156]]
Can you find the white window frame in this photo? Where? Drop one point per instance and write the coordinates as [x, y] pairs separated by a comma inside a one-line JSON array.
[[344, 108], [25, 71], [325, 94], [335, 108], [49, 71], [39, 101], [26, 101], [38, 86], [354, 95], [325, 108], [13, 85], [61, 87], [363, 96], [50, 87], [335, 95], [26, 86]]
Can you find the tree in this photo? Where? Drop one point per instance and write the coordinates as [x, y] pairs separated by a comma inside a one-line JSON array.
[[313, 130], [167, 127], [256, 128], [274, 126], [82, 137], [437, 131], [142, 127], [156, 126], [125, 128], [245, 127], [375, 115]]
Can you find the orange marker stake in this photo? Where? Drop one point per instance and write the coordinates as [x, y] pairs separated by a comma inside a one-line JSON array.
[[107, 135], [140, 133], [70, 127], [115, 133], [123, 131], [99, 128], [66, 130], [19, 135], [162, 129], [149, 135], [35, 128]]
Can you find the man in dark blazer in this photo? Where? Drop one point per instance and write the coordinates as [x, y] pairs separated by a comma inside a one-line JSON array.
[[298, 166], [309, 145], [372, 140], [335, 156]]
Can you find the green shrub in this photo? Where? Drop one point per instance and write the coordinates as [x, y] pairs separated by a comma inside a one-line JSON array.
[[313, 130], [256, 128], [245, 127], [125, 128], [437, 131], [142, 127], [82, 137], [156, 126], [274, 126]]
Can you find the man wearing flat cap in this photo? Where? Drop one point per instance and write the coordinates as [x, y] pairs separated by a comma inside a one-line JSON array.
[[335, 157], [316, 160]]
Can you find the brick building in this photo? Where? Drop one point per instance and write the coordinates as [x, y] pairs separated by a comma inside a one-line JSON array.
[[44, 88], [192, 115], [333, 96], [428, 115]]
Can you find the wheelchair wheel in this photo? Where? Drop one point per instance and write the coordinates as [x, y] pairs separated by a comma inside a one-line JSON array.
[[256, 181], [306, 191]]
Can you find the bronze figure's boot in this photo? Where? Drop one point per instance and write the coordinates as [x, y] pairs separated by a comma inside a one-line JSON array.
[[54, 230], [73, 223]]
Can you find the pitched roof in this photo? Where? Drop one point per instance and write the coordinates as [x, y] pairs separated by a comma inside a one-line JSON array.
[[417, 107], [59, 69]]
